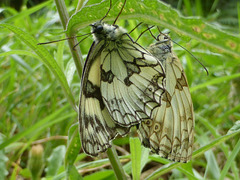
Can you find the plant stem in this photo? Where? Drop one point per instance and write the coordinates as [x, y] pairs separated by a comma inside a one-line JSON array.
[[116, 165], [76, 52]]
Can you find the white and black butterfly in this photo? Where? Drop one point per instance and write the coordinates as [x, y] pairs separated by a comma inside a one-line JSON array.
[[170, 131], [122, 85]]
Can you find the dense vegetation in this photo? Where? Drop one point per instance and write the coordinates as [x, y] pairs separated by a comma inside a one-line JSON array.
[[39, 89]]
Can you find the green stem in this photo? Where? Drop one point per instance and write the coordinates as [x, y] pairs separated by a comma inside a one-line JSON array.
[[76, 52], [116, 165], [238, 9]]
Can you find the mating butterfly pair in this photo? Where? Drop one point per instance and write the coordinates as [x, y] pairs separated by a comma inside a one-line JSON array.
[[125, 85]]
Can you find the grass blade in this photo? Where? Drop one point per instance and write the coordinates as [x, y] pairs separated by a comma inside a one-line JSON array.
[[46, 58], [40, 125], [135, 147]]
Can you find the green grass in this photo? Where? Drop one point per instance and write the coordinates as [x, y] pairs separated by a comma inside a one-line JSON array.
[[40, 85]]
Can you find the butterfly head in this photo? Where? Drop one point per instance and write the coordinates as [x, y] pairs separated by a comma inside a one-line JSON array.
[[163, 38], [162, 47], [104, 31]]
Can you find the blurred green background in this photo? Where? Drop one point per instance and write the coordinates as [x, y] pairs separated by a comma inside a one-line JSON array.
[[38, 96]]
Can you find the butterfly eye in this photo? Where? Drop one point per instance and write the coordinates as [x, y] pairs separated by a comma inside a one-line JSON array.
[[99, 29], [115, 26]]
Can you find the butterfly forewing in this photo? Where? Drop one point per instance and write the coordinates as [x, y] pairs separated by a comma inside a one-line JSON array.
[[170, 131], [127, 87], [97, 128]]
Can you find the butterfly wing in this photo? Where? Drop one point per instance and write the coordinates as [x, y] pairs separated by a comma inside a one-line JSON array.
[[170, 131], [121, 93], [131, 82], [97, 128]]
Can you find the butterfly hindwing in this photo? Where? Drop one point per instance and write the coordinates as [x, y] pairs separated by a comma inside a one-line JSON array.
[[170, 131]]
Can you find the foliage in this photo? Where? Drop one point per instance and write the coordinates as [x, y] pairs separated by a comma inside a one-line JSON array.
[[39, 89]]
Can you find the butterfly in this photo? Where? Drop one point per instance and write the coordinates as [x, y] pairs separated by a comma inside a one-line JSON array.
[[122, 85], [170, 130]]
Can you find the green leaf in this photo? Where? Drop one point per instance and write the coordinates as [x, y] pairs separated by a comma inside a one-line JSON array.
[[27, 12], [74, 145], [3, 167], [95, 163], [55, 160], [230, 161], [70, 71], [233, 154], [24, 172], [212, 169], [106, 174], [73, 149], [135, 147], [155, 12], [144, 157], [187, 169], [39, 126], [235, 127], [59, 54], [46, 58], [218, 80], [73, 173], [18, 59]]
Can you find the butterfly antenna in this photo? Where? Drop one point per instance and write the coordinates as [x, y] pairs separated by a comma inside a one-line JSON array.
[[64, 39], [135, 27], [89, 34], [110, 7], [192, 56], [156, 38], [185, 50], [120, 12], [148, 29]]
